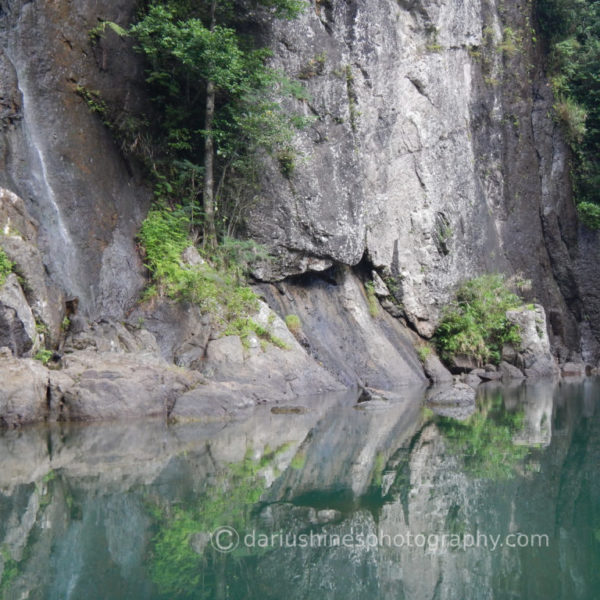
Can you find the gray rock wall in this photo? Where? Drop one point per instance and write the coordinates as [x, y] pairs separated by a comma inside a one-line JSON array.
[[59, 157], [434, 153]]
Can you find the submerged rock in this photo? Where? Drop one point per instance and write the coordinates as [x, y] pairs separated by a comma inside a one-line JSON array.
[[456, 401], [436, 371], [510, 371]]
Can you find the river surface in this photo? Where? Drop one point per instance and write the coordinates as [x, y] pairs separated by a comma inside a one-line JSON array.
[[384, 499]]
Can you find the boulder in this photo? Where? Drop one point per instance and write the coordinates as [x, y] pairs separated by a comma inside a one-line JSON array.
[[106, 385], [456, 401], [509, 371], [227, 349], [23, 392], [436, 371], [109, 336], [459, 393], [17, 324], [463, 364], [267, 370], [215, 401], [533, 355]]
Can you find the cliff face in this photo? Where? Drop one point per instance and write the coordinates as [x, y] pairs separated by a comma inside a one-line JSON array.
[[433, 157], [60, 158]]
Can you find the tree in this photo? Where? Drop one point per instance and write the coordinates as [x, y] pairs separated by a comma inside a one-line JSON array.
[[216, 94], [572, 28]]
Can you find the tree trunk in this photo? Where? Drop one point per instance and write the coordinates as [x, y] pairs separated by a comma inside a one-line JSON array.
[[210, 231]]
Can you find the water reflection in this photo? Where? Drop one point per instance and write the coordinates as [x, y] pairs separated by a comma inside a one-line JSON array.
[[126, 510]]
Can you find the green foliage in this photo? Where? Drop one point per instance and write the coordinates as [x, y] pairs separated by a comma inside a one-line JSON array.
[[287, 161], [293, 323], [238, 256], [164, 237], [485, 440], [244, 327], [298, 461], [315, 66], [433, 45], [475, 323], [352, 97], [100, 29], [423, 352], [175, 567], [41, 328], [573, 117], [9, 573], [185, 50], [378, 468], [93, 100], [511, 42], [589, 214], [6, 267], [572, 30], [372, 300], [43, 356], [427, 413]]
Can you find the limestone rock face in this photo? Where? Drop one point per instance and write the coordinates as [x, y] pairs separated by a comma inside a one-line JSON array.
[[433, 154], [180, 329], [111, 336]]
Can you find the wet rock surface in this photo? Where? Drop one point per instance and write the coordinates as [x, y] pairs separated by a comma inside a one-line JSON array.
[[59, 157]]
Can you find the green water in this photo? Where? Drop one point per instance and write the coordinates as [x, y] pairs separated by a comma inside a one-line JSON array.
[[326, 500]]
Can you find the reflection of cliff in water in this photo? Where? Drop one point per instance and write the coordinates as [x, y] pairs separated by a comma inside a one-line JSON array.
[[124, 511]]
